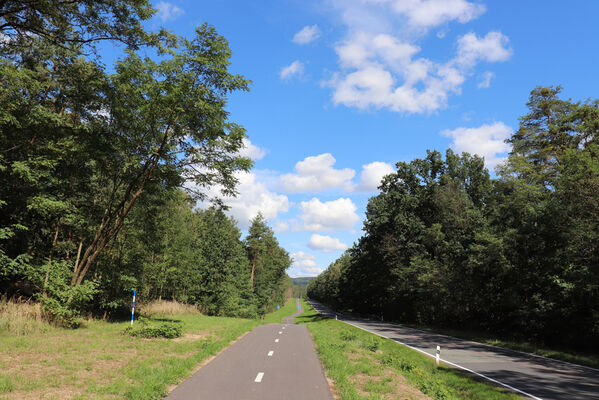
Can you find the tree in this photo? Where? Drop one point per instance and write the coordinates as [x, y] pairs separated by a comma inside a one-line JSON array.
[[269, 262], [75, 22]]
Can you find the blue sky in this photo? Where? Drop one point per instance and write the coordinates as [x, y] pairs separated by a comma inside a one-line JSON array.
[[343, 89]]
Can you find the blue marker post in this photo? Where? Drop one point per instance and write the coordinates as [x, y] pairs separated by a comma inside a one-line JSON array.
[[133, 308], [278, 307]]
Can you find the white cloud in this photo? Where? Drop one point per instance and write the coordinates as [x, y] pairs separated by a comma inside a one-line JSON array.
[[251, 151], [281, 227], [296, 68], [379, 66], [430, 13], [331, 215], [326, 244], [314, 174], [304, 264], [168, 11], [487, 141], [253, 197], [485, 82], [307, 35], [490, 48], [372, 174]]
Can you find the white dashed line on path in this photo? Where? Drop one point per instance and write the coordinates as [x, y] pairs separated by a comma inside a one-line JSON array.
[[280, 332], [270, 353], [276, 340], [259, 377]]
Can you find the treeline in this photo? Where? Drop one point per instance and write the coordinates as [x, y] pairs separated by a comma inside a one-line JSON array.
[[92, 163], [447, 245]]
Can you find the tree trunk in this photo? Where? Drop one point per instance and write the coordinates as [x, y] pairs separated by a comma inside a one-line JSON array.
[[50, 260]]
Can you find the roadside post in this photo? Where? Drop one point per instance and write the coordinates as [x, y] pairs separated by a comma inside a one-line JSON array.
[[133, 308], [278, 307], [438, 355]]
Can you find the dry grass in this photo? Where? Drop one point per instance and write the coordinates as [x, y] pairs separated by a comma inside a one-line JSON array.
[[166, 307], [21, 317]]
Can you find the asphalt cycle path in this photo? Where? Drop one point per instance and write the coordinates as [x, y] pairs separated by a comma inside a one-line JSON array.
[[274, 361], [527, 374]]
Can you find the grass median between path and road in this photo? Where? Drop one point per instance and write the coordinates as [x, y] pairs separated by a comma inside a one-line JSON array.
[[98, 361], [365, 366]]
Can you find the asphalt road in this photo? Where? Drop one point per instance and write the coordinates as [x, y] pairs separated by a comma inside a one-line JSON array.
[[529, 375], [274, 361]]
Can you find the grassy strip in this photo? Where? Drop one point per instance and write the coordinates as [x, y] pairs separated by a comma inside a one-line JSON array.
[[98, 361], [277, 317], [365, 366]]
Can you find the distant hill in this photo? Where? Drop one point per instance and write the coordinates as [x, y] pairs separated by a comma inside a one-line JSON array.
[[302, 281]]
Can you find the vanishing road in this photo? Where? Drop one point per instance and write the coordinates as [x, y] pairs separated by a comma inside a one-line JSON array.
[[274, 361], [532, 376]]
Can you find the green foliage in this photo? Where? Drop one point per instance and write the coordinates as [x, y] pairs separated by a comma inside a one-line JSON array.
[[269, 262], [446, 245], [92, 164], [149, 330]]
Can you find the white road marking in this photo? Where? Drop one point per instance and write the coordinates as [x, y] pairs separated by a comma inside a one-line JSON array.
[[283, 328], [259, 377], [276, 340], [445, 361], [280, 332], [270, 353]]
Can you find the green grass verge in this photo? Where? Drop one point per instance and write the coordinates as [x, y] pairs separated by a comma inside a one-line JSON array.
[[286, 310], [364, 366], [98, 361]]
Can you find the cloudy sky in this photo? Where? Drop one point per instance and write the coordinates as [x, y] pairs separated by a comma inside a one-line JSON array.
[[343, 89]]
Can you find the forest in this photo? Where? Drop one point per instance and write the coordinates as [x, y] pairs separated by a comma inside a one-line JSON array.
[[101, 167], [446, 245]]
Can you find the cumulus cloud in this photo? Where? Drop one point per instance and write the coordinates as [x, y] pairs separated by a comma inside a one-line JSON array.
[[168, 11], [487, 141], [296, 68], [326, 244], [315, 174], [307, 35], [485, 81], [379, 62], [431, 13], [305, 264], [281, 227], [253, 197], [491, 48], [251, 151], [372, 174], [317, 216]]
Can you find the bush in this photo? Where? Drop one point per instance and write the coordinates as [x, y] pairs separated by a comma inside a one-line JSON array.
[[168, 330]]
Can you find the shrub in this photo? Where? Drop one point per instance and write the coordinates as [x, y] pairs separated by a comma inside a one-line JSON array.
[[168, 330]]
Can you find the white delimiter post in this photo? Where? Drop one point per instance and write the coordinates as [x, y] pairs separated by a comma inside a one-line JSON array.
[[438, 355]]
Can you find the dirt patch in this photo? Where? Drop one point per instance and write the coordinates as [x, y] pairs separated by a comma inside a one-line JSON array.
[[400, 389], [189, 337]]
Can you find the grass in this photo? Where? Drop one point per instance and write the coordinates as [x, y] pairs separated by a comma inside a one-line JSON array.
[[19, 317], [364, 366], [165, 308], [98, 361]]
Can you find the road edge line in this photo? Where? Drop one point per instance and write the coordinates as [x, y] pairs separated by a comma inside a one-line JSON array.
[[445, 361]]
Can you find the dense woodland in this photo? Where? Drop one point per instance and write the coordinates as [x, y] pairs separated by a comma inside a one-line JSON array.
[[446, 245], [101, 166]]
